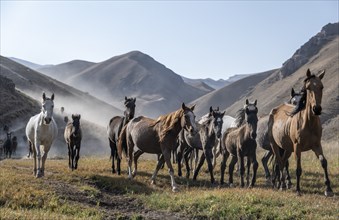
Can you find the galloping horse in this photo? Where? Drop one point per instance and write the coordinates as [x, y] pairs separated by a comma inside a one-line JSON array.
[[41, 130], [114, 128], [299, 132], [73, 136], [296, 99], [156, 137], [240, 142], [205, 139]]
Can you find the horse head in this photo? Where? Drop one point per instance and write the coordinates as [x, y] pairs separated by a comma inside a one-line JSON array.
[[188, 119], [314, 89], [251, 117], [76, 124], [130, 108], [47, 108], [217, 120]]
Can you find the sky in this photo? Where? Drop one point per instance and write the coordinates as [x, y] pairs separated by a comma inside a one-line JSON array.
[[195, 39]]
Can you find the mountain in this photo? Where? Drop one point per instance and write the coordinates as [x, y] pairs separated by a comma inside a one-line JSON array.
[[31, 65], [215, 84], [229, 94], [158, 89], [33, 83], [62, 72], [320, 52]]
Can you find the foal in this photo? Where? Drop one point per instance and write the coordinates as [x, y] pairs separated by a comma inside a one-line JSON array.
[[73, 138]]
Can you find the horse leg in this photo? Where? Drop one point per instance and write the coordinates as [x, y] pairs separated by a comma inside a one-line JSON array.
[[297, 155], [69, 156], [223, 166], [285, 156], [113, 147], [187, 154], [318, 152], [136, 156], [208, 154], [288, 177], [180, 153], [44, 157], [201, 162], [167, 157], [34, 158], [234, 160], [242, 168], [264, 161], [38, 156], [160, 162], [77, 155], [255, 168], [130, 158], [248, 167]]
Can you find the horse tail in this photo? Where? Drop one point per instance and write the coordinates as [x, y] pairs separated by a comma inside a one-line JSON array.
[[122, 143]]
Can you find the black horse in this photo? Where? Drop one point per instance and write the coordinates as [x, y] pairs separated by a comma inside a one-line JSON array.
[[73, 136], [8, 145], [208, 132], [114, 128]]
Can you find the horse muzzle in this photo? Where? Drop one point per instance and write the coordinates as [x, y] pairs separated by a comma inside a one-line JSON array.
[[317, 109], [254, 136], [218, 134], [48, 120]]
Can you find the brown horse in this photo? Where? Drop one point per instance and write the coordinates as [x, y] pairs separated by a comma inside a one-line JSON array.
[[114, 128], [299, 132], [156, 137], [240, 142], [73, 138]]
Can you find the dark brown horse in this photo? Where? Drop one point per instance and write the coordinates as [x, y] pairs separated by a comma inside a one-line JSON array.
[[299, 132], [209, 130], [73, 138], [156, 137], [240, 142], [8, 145], [114, 128]]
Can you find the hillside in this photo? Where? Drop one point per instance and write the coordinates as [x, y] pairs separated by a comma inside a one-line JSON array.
[[158, 89], [62, 72], [320, 52], [33, 83], [229, 94]]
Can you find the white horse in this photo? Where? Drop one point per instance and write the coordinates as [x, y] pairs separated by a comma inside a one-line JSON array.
[[41, 131]]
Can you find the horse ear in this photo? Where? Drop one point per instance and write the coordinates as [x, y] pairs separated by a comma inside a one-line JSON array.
[[211, 109], [308, 73], [217, 108], [292, 93], [246, 101], [322, 74], [223, 113], [72, 116], [43, 96], [183, 106], [255, 102], [135, 99], [79, 116], [125, 98], [52, 97], [192, 108]]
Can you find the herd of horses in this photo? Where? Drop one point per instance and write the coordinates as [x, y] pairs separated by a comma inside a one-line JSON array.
[[290, 128]]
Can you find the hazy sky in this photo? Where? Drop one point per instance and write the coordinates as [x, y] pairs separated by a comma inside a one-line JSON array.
[[196, 39]]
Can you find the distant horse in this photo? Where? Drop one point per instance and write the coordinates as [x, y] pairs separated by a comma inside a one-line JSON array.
[[114, 129], [73, 136], [41, 131], [8, 145], [14, 144], [263, 141], [156, 137], [299, 132], [240, 142], [209, 129]]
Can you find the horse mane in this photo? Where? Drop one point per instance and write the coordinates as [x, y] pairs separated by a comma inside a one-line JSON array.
[[167, 122], [240, 117]]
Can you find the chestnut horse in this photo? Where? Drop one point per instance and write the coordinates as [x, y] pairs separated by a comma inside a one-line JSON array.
[[299, 132], [156, 137]]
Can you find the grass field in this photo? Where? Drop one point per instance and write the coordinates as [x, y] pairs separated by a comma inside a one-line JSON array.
[[92, 192]]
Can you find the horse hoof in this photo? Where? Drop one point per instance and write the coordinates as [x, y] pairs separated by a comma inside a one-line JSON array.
[[231, 185], [298, 193], [329, 194], [175, 189], [153, 182]]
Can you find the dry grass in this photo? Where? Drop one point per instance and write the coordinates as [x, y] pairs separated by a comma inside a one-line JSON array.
[[87, 193]]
